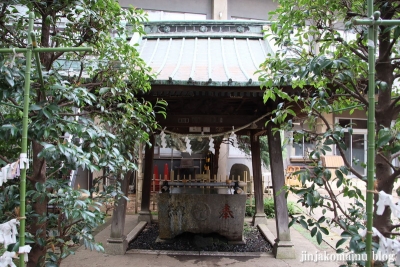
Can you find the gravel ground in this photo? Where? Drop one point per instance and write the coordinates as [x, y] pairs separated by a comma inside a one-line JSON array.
[[255, 242]]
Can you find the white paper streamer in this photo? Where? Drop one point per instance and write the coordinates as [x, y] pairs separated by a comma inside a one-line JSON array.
[[386, 200], [23, 161], [8, 232], [25, 250], [13, 59], [4, 173], [14, 231], [7, 259], [211, 145], [188, 146], [386, 245], [163, 141], [234, 140], [371, 43], [13, 171]]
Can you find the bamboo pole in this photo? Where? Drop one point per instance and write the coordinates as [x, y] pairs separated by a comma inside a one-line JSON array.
[[31, 48], [371, 133], [373, 22], [24, 144], [47, 49]]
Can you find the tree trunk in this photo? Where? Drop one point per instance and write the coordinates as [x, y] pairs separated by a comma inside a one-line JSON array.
[[38, 253], [384, 115], [384, 182]]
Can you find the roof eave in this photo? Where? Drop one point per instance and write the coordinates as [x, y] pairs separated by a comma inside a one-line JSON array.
[[208, 83]]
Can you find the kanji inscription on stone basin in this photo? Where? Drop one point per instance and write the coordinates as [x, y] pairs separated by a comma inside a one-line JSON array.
[[203, 211]]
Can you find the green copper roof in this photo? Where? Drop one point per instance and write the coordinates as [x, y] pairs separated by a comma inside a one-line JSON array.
[[213, 53]]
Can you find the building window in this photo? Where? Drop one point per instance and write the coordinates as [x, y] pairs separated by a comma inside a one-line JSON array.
[[303, 148], [301, 143], [356, 143]]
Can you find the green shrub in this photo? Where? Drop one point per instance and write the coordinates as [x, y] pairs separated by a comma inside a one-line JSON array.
[[269, 208]]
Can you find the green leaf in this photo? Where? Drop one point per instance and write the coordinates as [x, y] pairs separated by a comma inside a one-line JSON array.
[[90, 214], [316, 195], [303, 177], [324, 230], [346, 234], [104, 90], [396, 33], [339, 183], [314, 231], [10, 80], [383, 140], [47, 113], [310, 199], [319, 237], [342, 60], [35, 107], [326, 63], [304, 224], [340, 242], [339, 251], [339, 174], [15, 247]]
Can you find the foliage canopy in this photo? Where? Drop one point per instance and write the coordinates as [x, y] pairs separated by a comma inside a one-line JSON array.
[[86, 111], [319, 72]]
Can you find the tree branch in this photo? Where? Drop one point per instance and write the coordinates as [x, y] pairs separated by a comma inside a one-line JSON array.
[[360, 55], [396, 76], [5, 159], [348, 90], [394, 226], [390, 233], [66, 228], [51, 174], [66, 103], [80, 73], [395, 155], [80, 114], [393, 176], [387, 161], [393, 104], [396, 109], [334, 200], [389, 50]]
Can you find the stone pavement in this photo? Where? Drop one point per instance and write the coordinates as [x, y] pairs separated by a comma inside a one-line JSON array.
[[304, 247]]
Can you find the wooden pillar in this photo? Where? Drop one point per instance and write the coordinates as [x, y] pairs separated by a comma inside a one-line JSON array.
[[217, 146], [117, 243], [259, 216], [283, 247], [144, 214]]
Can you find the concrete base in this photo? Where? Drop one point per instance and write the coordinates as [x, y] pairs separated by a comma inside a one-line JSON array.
[[284, 250], [116, 246], [267, 233], [259, 218], [145, 216], [136, 231]]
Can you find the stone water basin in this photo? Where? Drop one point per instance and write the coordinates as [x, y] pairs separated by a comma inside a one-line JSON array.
[[203, 211]]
